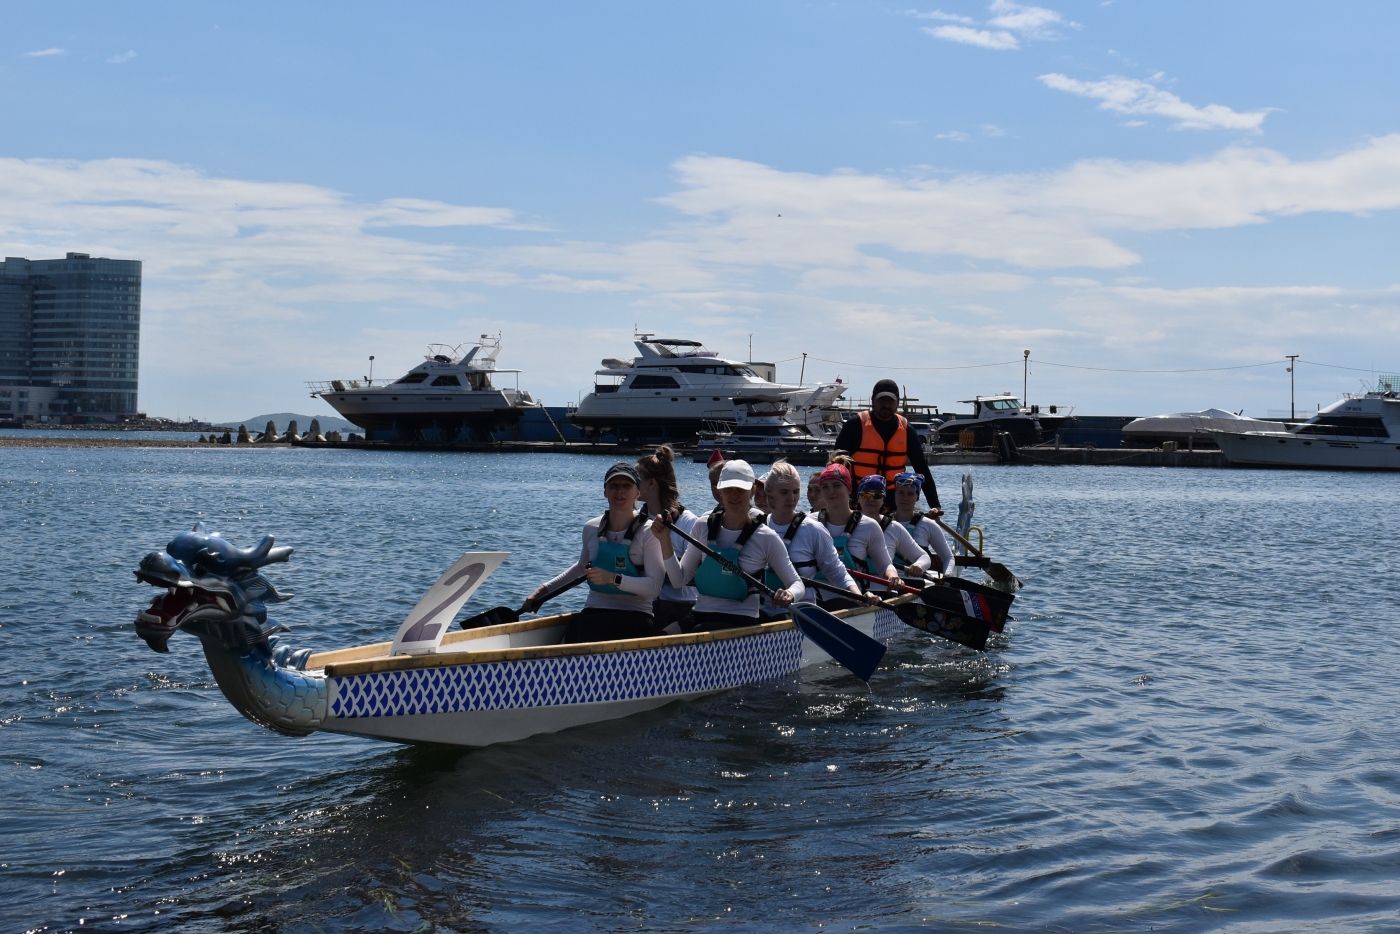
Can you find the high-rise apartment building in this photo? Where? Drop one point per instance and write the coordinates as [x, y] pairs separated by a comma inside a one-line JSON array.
[[70, 334]]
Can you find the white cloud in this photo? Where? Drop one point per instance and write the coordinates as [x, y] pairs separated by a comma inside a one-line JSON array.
[[289, 281], [120, 59], [966, 35], [44, 53], [1130, 96], [1009, 25], [944, 17], [1032, 22], [957, 136]]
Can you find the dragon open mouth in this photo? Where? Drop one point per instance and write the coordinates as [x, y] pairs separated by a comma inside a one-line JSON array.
[[158, 622]]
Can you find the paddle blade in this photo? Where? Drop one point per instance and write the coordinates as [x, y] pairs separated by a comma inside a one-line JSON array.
[[951, 626], [496, 616], [956, 595], [853, 649]]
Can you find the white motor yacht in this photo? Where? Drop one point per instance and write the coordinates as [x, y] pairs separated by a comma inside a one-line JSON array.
[[1360, 431], [1191, 428], [767, 427], [450, 392], [675, 386]]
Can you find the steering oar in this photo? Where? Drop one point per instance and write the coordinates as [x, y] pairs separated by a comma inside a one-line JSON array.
[[853, 649], [499, 615]]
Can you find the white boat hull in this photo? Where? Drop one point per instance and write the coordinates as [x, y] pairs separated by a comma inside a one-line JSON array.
[[1285, 449], [458, 698]]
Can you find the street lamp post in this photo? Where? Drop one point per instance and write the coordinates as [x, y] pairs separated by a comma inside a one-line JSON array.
[[1025, 377], [1292, 408], [370, 378]]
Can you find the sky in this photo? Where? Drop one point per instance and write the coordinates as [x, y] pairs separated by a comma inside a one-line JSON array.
[[1151, 197]]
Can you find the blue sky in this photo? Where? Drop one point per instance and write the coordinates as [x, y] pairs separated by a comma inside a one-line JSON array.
[[1133, 185]]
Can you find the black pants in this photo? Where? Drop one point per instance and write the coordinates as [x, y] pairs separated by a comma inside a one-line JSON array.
[[715, 622], [595, 625], [666, 612]]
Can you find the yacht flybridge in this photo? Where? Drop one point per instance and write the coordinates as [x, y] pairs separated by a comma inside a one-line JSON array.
[[1359, 431], [675, 386], [450, 393]]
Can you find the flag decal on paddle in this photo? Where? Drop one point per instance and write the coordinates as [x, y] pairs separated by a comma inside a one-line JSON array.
[[976, 605]]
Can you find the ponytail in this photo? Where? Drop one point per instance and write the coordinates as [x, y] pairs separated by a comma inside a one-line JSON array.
[[660, 467]]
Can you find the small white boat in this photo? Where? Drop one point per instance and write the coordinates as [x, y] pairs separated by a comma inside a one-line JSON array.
[[1191, 428], [765, 427], [1360, 431], [466, 688]]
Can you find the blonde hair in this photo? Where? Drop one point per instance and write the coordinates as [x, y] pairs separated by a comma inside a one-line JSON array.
[[659, 467], [782, 471]]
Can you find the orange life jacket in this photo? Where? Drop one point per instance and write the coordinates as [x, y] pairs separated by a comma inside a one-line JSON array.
[[877, 456]]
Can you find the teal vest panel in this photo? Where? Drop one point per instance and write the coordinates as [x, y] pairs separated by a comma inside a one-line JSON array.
[[712, 580], [614, 557]]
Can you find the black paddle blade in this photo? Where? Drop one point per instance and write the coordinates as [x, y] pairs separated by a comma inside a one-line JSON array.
[[955, 627], [493, 617], [959, 596], [856, 651]]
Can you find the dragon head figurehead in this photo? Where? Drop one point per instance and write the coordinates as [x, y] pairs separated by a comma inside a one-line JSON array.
[[216, 592]]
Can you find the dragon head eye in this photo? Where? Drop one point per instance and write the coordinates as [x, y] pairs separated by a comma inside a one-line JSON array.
[[199, 570]]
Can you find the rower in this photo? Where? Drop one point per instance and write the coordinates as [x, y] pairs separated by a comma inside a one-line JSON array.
[[727, 600], [859, 540], [881, 441], [760, 495], [926, 533], [809, 544], [814, 492], [909, 559], [623, 562], [671, 611]]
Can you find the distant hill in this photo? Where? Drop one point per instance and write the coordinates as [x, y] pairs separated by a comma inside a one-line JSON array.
[[259, 422]]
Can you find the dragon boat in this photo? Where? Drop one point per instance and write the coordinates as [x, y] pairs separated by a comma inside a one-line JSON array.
[[469, 687]]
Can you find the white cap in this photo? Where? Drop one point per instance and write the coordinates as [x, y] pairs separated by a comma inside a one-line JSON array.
[[736, 474]]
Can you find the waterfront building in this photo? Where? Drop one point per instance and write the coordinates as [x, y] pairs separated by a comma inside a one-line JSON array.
[[69, 338]]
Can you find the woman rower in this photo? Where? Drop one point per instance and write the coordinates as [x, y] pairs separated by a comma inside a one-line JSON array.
[[859, 539], [926, 533], [808, 543], [661, 494], [726, 600], [622, 560], [814, 492], [904, 551]]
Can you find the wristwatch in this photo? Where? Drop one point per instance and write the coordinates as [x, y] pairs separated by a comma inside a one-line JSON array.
[[617, 580]]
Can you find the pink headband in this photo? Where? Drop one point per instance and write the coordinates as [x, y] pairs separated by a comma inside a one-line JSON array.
[[836, 472]]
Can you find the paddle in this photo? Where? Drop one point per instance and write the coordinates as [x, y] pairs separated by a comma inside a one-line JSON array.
[[500, 615], [853, 649], [969, 606], [976, 600], [955, 627], [999, 571]]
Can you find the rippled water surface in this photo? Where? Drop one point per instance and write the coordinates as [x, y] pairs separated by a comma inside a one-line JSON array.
[[1191, 725]]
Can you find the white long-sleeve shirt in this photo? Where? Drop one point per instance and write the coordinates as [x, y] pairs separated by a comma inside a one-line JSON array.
[[687, 522], [812, 542], [764, 550], [867, 543], [900, 542], [645, 552], [928, 535]]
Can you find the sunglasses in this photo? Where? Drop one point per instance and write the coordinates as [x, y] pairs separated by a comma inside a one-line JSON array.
[[872, 494]]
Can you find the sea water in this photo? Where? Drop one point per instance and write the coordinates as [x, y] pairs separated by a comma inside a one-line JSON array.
[[1190, 725]]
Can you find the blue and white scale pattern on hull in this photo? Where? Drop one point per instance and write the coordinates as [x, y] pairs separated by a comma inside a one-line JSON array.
[[887, 625], [571, 679]]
